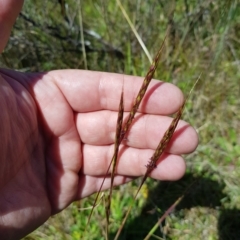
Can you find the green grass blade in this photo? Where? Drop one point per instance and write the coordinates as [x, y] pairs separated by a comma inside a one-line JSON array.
[[169, 210]]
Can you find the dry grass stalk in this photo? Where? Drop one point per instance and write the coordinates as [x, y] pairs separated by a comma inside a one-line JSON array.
[[113, 161], [115, 155], [142, 91], [152, 164], [123, 130]]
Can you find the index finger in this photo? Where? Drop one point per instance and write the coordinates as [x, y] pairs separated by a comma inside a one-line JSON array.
[[88, 91]]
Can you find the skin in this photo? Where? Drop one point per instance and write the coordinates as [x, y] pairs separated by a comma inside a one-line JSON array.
[[57, 136]]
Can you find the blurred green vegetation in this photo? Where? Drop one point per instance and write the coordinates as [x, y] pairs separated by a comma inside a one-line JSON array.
[[203, 38]]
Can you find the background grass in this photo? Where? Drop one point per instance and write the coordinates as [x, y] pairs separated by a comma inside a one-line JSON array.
[[204, 37]]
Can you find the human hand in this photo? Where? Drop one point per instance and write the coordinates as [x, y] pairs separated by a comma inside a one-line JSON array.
[[57, 135], [57, 139]]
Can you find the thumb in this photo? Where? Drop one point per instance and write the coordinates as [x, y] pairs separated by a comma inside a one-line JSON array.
[[9, 10]]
